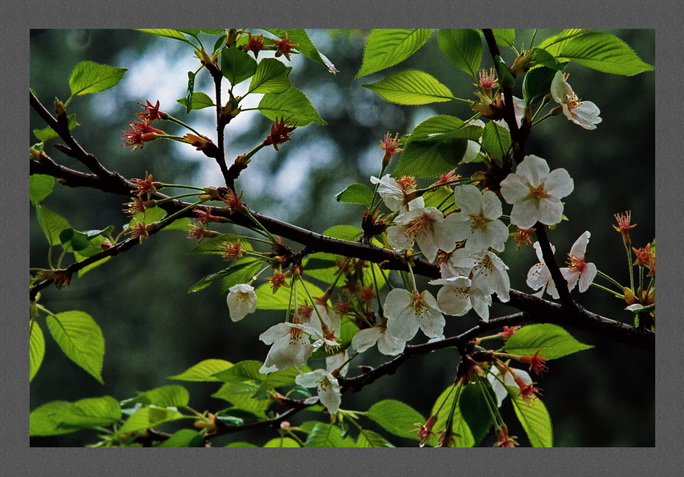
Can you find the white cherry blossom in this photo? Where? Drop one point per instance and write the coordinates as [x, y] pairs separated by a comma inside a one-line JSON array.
[[458, 296], [579, 271], [327, 386], [539, 276], [407, 312], [536, 192], [290, 346], [485, 269], [395, 194], [241, 301], [582, 113], [387, 344], [478, 220], [428, 227]]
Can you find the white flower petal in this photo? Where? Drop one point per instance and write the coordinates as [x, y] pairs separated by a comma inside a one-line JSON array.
[[241, 301]]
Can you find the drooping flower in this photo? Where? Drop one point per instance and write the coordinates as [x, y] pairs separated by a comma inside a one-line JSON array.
[[397, 195], [478, 220], [579, 271], [539, 276], [140, 133], [338, 362], [485, 269], [139, 230], [503, 439], [458, 296], [409, 311], [428, 227], [582, 113], [535, 361], [280, 134], [472, 147], [290, 346], [284, 47], [387, 344], [327, 386], [536, 192], [241, 301], [151, 111], [511, 378], [145, 186]]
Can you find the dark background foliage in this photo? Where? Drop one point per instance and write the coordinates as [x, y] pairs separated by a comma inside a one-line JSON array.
[[154, 329]]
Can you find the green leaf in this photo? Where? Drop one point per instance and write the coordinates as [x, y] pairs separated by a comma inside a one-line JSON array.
[[282, 442], [496, 140], [387, 47], [90, 77], [148, 216], [371, 439], [81, 340], [271, 76], [551, 340], [241, 271], [242, 371], [327, 435], [442, 128], [47, 133], [44, 420], [217, 245], [267, 300], [396, 418], [473, 407], [546, 59], [190, 91], [90, 413], [442, 408], [603, 52], [292, 106], [411, 87], [535, 419], [36, 349], [347, 332], [344, 232], [164, 396], [537, 84], [443, 197], [184, 438], [199, 101], [203, 371], [304, 44], [236, 65], [356, 194], [504, 36], [168, 33], [148, 417], [73, 240], [554, 43], [241, 444], [52, 224], [278, 379], [463, 48], [242, 396]]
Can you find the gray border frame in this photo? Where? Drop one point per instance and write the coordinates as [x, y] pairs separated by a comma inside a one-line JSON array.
[[17, 458]]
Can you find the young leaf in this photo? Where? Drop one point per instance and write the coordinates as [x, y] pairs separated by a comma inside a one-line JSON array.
[[343, 232], [551, 340], [431, 158], [199, 101], [81, 340], [291, 105], [243, 371], [396, 418], [603, 52], [164, 396], [356, 194], [90, 413], [217, 245], [52, 224], [236, 65], [203, 371], [190, 91], [282, 442], [463, 437], [473, 407], [47, 133], [496, 140], [371, 439], [387, 47], [504, 36], [168, 33], [463, 48], [90, 77], [537, 84], [239, 272], [411, 87], [327, 435], [271, 76], [242, 396], [267, 300], [554, 43], [45, 420], [184, 438], [36, 349], [304, 44], [535, 420], [148, 417]]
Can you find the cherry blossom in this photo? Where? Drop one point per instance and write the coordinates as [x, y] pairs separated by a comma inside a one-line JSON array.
[[458, 296], [428, 227], [478, 220], [582, 113], [578, 271], [290, 346], [241, 301], [387, 344], [536, 192], [327, 386], [486, 270], [396, 195], [539, 276], [408, 311]]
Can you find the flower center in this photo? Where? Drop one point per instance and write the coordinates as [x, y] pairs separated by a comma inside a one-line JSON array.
[[419, 225], [538, 192], [295, 334], [576, 264], [419, 305], [478, 221], [572, 101]]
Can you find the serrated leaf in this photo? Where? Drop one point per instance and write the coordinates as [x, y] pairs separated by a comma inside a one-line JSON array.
[[51, 223], [44, 420], [292, 106], [267, 300], [148, 417], [241, 444], [553, 43], [36, 349], [166, 32], [356, 194], [463, 437], [242, 371], [282, 442], [90, 413], [431, 159], [371, 439], [441, 197], [90, 77], [537, 84], [236, 65], [343, 232], [80, 338], [184, 438], [603, 52], [463, 47], [242, 396], [190, 91], [552, 341], [475, 411], [504, 36], [388, 47], [443, 127], [496, 140], [271, 76], [199, 101], [241, 271], [241, 275], [396, 418], [164, 396], [546, 59], [535, 419], [203, 371], [217, 245], [304, 44], [411, 87], [148, 216], [327, 435], [47, 133]]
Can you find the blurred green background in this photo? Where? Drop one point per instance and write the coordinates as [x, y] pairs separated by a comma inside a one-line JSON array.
[[154, 329]]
